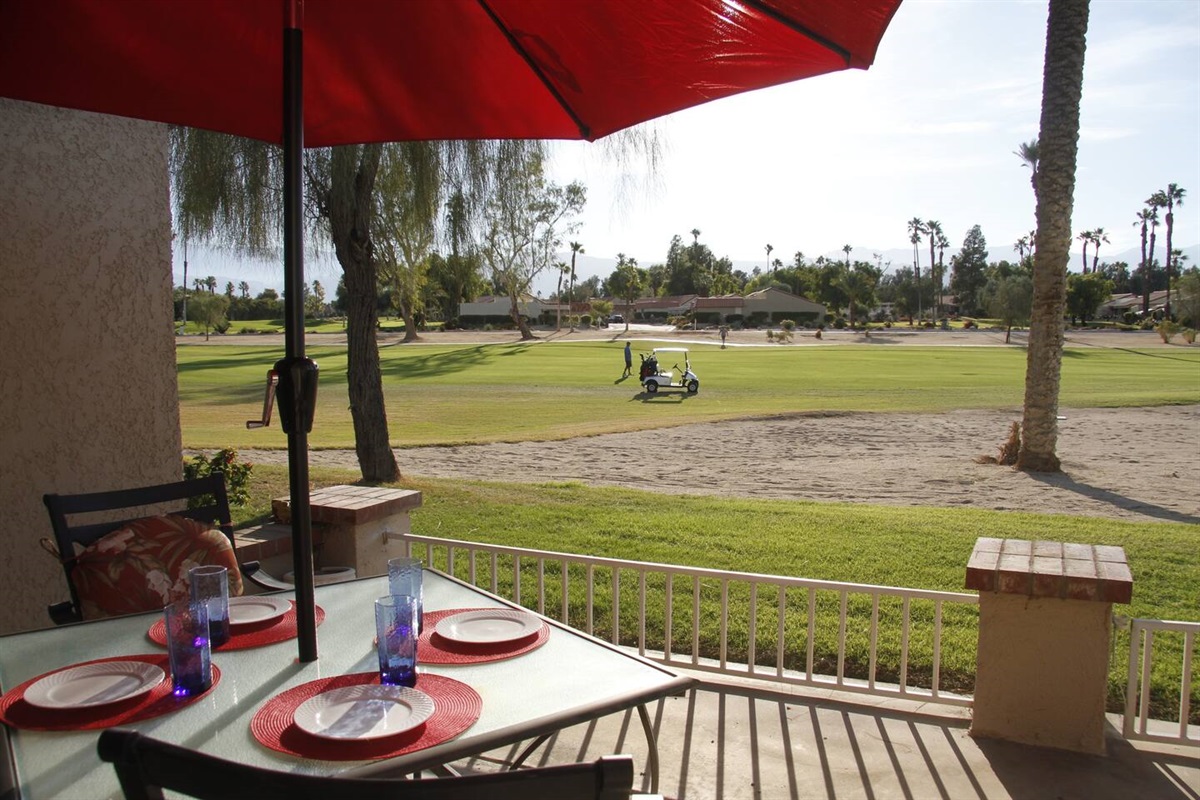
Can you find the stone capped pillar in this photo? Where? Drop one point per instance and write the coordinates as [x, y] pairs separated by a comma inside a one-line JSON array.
[[356, 523], [1045, 611]]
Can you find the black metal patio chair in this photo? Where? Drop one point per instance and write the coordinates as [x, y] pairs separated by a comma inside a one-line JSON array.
[[68, 535], [145, 767]]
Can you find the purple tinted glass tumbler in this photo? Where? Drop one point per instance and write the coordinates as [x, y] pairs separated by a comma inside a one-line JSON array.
[[188, 647], [396, 634], [210, 586]]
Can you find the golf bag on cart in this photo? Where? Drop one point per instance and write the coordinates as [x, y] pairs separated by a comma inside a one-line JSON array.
[[649, 366]]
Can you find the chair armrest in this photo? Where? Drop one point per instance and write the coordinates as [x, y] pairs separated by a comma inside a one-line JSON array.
[[64, 613], [254, 572]]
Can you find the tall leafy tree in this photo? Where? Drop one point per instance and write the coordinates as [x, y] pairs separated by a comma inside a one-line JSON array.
[[858, 284], [969, 271], [1058, 144], [1008, 298], [409, 180], [1085, 293], [627, 282], [524, 215]]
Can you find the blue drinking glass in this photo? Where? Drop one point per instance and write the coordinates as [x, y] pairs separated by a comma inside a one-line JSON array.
[[396, 634], [210, 585], [188, 647]]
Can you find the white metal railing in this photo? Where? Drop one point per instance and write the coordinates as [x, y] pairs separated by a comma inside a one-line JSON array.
[[1137, 691], [818, 633]]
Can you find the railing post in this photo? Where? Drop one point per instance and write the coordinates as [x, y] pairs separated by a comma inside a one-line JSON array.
[[1045, 611]]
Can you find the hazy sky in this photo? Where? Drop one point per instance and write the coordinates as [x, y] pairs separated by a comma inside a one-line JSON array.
[[929, 131]]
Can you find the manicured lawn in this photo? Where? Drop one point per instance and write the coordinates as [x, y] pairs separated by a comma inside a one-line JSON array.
[[924, 548], [546, 391]]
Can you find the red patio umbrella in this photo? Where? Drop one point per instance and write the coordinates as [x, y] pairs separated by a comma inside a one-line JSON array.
[[317, 73]]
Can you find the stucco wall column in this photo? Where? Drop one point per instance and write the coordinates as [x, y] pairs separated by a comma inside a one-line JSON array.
[[1044, 630]]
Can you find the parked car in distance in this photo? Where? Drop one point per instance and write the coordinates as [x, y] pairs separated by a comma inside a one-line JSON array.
[[616, 319]]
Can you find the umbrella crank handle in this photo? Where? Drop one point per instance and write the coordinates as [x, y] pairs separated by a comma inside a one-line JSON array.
[[268, 402]]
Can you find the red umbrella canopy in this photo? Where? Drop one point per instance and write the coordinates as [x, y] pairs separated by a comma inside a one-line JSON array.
[[394, 70]]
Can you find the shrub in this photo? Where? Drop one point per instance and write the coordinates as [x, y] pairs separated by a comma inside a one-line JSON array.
[[839, 323], [221, 327], [224, 462], [1189, 335], [1167, 330], [585, 320], [770, 335], [788, 325], [969, 324]]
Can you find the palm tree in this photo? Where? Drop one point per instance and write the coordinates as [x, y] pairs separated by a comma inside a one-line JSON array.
[[942, 244], [1085, 237], [934, 229], [1029, 153], [1173, 195], [1099, 235], [769, 249], [846, 249], [1155, 201], [1021, 245], [244, 289], [562, 269], [576, 249], [915, 229], [695, 235], [1143, 220], [1057, 150]]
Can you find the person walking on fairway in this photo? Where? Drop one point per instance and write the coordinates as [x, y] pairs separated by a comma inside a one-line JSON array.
[[628, 361]]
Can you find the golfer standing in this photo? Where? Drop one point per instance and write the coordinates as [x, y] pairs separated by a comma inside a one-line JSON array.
[[628, 361]]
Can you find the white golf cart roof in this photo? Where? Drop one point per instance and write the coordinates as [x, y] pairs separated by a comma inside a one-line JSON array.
[[670, 349]]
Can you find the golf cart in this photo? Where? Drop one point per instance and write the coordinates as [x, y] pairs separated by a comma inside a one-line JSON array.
[[653, 378]]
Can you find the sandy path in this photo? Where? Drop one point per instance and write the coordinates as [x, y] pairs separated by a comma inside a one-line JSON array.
[[1135, 464]]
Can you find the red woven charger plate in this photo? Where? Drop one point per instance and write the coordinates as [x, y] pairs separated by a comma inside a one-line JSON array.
[[435, 649], [456, 707], [14, 711], [243, 637]]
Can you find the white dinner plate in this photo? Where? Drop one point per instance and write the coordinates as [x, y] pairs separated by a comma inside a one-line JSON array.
[[94, 684], [368, 711], [253, 608], [488, 626]]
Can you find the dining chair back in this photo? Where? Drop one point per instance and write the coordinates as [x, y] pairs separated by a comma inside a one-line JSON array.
[[67, 535], [145, 767]]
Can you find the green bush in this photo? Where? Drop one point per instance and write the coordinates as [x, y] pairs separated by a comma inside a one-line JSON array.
[[224, 462], [839, 323], [1167, 330]]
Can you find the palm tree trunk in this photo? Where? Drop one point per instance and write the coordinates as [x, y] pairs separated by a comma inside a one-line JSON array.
[[1145, 275], [1149, 271], [350, 214], [1062, 87], [1170, 225]]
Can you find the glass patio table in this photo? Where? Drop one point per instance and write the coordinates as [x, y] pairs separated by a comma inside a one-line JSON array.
[[572, 678]]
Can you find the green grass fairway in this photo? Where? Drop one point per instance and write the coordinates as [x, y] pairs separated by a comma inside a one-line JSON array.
[[544, 391]]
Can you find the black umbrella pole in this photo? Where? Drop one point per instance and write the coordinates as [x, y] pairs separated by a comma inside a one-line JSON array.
[[297, 374]]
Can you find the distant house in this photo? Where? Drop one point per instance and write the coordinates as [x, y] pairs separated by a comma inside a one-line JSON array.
[[1116, 306], [493, 309], [774, 305]]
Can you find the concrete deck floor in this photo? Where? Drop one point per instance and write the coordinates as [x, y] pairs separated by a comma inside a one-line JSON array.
[[729, 741]]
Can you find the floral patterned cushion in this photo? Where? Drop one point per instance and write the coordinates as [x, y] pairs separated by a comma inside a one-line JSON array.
[[144, 565]]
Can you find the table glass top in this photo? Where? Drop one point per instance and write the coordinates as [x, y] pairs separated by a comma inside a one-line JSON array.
[[572, 671]]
